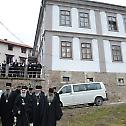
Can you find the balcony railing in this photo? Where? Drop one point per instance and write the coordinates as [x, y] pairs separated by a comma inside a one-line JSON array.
[[27, 71]]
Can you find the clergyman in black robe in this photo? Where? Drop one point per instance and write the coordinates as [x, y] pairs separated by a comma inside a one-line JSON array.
[[30, 94], [54, 111], [39, 110], [6, 106], [22, 108]]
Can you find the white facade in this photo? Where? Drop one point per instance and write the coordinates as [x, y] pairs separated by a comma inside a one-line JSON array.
[[74, 64], [120, 25], [98, 33], [75, 24], [16, 52]]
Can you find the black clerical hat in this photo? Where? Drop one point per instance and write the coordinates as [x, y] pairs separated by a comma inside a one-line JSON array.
[[24, 87], [8, 84], [51, 90], [30, 88], [38, 87]]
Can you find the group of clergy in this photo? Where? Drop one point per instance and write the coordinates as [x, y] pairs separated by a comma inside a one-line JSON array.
[[29, 107]]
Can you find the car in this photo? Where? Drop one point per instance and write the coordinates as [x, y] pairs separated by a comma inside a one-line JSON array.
[[82, 93], [1, 93]]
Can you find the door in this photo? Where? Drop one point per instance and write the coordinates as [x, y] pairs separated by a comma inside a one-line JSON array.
[[66, 95]]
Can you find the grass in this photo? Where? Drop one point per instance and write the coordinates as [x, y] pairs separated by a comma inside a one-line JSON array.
[[95, 116]]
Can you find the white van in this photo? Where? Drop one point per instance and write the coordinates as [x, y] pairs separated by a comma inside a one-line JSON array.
[[82, 93]]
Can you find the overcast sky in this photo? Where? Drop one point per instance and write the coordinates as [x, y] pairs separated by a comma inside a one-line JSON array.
[[21, 16]]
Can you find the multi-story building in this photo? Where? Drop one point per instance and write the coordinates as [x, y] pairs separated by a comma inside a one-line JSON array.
[[81, 40], [11, 51]]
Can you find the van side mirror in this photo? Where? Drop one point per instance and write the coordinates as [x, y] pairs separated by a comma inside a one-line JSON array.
[[61, 92]]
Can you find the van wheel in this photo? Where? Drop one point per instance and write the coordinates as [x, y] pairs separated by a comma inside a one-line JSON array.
[[99, 101], [91, 104]]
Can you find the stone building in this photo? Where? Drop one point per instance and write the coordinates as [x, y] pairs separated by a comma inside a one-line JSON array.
[[80, 41]]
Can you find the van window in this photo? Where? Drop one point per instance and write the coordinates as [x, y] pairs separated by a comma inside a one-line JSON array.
[[93, 86], [66, 89], [81, 87]]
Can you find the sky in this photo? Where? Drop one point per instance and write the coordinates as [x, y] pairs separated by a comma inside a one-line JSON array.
[[20, 17]]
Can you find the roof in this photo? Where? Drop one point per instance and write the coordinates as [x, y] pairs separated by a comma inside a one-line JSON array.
[[5, 41]]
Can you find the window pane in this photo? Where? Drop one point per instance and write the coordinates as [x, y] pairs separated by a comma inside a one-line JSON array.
[[116, 52], [112, 23]]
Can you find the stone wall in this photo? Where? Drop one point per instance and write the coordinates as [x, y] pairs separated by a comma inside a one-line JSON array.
[[116, 92]]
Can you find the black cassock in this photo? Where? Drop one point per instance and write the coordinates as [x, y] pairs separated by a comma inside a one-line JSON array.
[[24, 105], [39, 110], [54, 112], [6, 106]]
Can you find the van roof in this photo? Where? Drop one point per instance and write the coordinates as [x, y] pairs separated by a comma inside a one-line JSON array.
[[83, 83]]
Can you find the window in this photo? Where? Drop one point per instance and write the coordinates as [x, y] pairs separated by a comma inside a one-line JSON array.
[[93, 86], [120, 81], [89, 79], [112, 23], [66, 89], [9, 58], [125, 23], [66, 79], [65, 18], [66, 49], [78, 88], [10, 47], [23, 50], [84, 19], [116, 53], [86, 52]]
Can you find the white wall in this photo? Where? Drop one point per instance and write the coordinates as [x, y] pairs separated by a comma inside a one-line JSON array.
[[75, 64], [120, 33], [75, 22], [117, 67], [16, 52]]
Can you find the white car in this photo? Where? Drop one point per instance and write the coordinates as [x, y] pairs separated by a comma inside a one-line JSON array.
[[1, 93], [82, 93]]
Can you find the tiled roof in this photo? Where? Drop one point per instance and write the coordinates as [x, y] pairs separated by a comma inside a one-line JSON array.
[[14, 43]]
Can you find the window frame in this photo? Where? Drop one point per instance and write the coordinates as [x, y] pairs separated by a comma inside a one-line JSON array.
[[65, 48], [65, 17], [84, 18], [86, 54], [116, 50], [23, 50], [10, 47], [110, 25]]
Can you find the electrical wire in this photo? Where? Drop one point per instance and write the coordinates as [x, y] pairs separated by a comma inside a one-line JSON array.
[[11, 32]]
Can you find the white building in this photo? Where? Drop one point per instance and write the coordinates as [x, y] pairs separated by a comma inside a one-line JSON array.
[[11, 51], [81, 41]]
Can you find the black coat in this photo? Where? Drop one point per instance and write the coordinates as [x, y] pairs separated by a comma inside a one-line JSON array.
[[31, 112], [39, 110], [24, 105], [6, 104], [54, 112]]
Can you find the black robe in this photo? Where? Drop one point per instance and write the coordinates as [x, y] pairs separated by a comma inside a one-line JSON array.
[[54, 112], [31, 112], [57, 95], [39, 110], [6, 104], [24, 105]]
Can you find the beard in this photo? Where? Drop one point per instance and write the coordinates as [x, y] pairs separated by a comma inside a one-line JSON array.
[[50, 98], [23, 95]]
